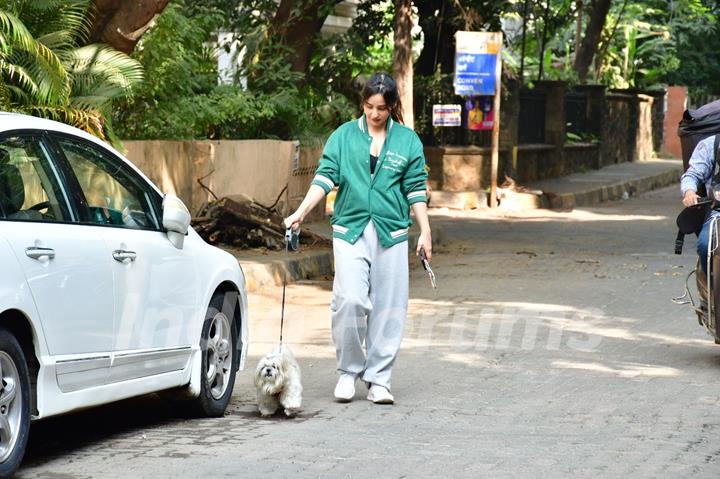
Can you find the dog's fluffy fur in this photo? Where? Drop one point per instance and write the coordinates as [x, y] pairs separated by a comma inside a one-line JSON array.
[[277, 379]]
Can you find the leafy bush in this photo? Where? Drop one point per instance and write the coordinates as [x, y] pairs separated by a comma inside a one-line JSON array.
[[181, 97]]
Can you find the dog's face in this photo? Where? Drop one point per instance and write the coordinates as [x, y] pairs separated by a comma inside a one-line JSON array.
[[270, 374]]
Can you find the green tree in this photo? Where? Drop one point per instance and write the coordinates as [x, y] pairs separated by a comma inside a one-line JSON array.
[[440, 19], [182, 99], [695, 31], [342, 61], [589, 45], [46, 73], [652, 42]]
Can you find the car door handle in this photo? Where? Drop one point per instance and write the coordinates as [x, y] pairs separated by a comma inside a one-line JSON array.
[[36, 252], [124, 256]]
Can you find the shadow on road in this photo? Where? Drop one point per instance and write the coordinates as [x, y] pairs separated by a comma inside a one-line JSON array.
[[62, 435]]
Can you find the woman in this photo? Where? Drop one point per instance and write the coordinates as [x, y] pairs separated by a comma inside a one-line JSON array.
[[379, 168]]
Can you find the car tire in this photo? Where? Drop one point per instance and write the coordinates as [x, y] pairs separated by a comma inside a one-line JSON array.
[[220, 356], [14, 403]]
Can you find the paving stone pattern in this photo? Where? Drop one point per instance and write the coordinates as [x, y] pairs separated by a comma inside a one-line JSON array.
[[550, 349]]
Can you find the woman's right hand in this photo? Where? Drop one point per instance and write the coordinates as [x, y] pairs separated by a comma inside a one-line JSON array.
[[690, 198], [294, 220]]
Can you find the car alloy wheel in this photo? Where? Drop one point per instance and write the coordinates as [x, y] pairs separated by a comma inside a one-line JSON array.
[[219, 360], [10, 406], [14, 403], [219, 355]]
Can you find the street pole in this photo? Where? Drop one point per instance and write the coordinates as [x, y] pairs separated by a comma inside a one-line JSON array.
[[496, 126]]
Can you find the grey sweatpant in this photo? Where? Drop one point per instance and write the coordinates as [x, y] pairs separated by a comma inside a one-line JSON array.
[[369, 305]]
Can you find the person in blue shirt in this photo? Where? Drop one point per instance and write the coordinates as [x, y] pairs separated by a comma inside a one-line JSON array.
[[700, 172]]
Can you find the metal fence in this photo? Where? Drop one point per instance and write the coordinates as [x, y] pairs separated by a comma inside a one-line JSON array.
[[576, 117], [696, 101], [531, 124]]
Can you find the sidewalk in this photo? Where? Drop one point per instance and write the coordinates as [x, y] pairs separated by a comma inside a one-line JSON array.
[[613, 182]]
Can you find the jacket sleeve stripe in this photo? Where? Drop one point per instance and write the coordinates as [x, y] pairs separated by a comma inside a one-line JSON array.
[[324, 182], [417, 197]]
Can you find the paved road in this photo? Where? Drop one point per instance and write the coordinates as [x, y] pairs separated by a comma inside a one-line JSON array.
[[551, 349]]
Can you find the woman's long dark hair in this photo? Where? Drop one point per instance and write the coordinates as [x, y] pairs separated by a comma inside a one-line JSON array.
[[383, 84]]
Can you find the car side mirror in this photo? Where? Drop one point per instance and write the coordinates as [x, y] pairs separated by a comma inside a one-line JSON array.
[[176, 220]]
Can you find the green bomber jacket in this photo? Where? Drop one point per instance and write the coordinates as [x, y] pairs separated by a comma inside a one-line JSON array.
[[386, 196]]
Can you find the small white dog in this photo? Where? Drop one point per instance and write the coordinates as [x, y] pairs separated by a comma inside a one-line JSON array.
[[277, 379]]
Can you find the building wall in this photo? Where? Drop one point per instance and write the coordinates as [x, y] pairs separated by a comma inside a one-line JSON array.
[[256, 169], [676, 105]]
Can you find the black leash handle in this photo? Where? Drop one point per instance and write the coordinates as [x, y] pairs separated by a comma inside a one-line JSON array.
[[292, 239]]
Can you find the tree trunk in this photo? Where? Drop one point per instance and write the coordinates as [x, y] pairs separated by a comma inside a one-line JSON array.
[[439, 33], [543, 40], [120, 23], [296, 24], [402, 58], [578, 29], [589, 45], [524, 35]]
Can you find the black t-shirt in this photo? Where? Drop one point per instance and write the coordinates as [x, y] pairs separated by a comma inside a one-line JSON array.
[[373, 163]]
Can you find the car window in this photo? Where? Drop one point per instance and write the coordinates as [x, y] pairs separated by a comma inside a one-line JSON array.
[[29, 186], [114, 195]]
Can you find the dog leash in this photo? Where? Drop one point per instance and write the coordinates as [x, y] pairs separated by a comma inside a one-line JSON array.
[[292, 243]]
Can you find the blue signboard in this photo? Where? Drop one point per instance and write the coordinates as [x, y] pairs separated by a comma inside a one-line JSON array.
[[475, 73]]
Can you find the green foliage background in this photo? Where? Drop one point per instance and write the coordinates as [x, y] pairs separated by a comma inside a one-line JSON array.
[[48, 70], [181, 98], [169, 89], [644, 44]]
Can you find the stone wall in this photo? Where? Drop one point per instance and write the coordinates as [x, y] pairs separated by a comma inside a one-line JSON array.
[[579, 157], [462, 168], [625, 125], [434, 161], [658, 118], [644, 137], [616, 138], [535, 162]]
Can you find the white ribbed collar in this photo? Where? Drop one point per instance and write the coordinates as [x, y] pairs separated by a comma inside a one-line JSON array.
[[362, 124]]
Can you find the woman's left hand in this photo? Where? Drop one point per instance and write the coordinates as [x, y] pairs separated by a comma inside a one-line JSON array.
[[424, 242]]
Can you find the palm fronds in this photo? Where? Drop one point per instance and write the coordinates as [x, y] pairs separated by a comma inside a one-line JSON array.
[[100, 74], [45, 70]]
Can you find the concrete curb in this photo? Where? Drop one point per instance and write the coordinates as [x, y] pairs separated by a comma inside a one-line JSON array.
[[458, 200], [314, 264], [616, 191]]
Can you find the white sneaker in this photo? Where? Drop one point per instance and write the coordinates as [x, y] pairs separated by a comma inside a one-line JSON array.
[[345, 389], [380, 395]]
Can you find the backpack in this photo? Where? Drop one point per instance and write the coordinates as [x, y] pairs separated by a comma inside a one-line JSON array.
[[695, 126]]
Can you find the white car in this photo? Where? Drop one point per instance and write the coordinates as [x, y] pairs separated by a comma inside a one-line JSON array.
[[105, 290]]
